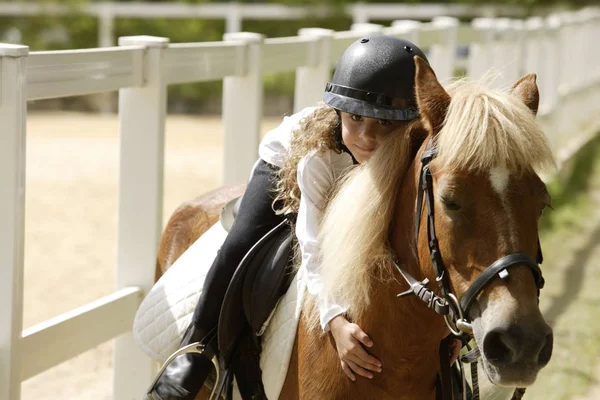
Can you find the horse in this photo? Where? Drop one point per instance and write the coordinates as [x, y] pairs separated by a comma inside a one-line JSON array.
[[189, 221], [463, 215]]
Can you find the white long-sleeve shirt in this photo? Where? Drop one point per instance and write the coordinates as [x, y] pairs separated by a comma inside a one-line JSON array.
[[317, 172]]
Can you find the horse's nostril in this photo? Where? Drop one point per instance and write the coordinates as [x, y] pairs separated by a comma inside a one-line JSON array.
[[546, 351], [497, 348], [504, 347]]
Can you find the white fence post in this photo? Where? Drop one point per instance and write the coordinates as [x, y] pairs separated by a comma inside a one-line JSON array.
[[106, 22], [242, 110], [587, 42], [233, 20], [552, 52], [359, 12], [141, 124], [506, 52], [519, 49], [443, 55], [106, 25], [481, 52], [13, 111], [366, 28], [580, 20], [549, 80], [311, 79], [406, 29], [594, 32], [533, 50]]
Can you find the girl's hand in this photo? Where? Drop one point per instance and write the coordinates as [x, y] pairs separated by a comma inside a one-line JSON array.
[[349, 340]]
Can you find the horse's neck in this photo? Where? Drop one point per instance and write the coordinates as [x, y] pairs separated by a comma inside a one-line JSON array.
[[406, 339], [405, 328]]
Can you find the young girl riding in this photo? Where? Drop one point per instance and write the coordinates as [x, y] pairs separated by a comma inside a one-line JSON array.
[[370, 97]]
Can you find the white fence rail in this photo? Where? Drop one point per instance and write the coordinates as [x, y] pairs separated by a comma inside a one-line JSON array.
[[52, 74], [235, 13], [559, 49]]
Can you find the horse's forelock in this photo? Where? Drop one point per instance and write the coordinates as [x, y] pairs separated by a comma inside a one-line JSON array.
[[486, 127]]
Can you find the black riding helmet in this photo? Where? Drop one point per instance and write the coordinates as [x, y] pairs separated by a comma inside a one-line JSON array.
[[375, 78]]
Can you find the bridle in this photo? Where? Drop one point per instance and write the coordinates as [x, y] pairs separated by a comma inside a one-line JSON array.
[[455, 312]]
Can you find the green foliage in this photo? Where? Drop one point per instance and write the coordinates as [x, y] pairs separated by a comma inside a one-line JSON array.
[[188, 97], [570, 190], [75, 31]]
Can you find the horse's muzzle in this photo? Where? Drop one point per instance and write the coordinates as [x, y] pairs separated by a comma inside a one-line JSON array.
[[522, 350]]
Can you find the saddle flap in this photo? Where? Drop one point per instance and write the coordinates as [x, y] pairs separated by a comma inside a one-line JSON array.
[[256, 286], [271, 279]]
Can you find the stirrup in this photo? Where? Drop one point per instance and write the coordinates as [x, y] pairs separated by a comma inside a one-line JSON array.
[[197, 348]]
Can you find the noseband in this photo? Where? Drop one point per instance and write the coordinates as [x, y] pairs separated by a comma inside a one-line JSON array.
[[455, 312]]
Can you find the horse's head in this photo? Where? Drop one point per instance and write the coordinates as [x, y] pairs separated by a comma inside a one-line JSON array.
[[485, 198]]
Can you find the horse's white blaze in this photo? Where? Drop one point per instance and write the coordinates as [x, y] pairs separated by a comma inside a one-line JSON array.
[[499, 178]]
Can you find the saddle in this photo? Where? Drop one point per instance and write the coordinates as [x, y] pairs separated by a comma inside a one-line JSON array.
[[260, 280]]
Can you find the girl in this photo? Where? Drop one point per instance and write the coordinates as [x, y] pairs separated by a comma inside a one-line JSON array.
[[370, 97]]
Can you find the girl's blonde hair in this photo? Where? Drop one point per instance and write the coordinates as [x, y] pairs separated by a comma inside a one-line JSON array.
[[321, 130], [357, 224]]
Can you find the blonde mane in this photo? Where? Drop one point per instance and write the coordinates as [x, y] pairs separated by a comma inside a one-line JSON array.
[[483, 128]]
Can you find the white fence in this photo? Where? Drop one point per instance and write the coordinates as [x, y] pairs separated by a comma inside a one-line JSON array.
[[560, 49], [234, 13]]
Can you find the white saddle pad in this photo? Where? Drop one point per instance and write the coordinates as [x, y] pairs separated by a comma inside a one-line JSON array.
[[167, 309]]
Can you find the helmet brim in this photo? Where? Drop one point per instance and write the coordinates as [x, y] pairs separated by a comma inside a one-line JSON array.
[[369, 110]]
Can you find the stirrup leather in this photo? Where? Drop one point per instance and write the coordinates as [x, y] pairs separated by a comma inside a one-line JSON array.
[[197, 348]]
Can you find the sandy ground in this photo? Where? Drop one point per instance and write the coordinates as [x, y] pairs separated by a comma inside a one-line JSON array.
[[71, 207]]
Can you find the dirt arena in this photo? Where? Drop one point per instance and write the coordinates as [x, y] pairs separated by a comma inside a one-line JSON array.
[[71, 222]]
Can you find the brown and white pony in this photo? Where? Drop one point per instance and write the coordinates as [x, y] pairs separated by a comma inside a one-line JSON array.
[[487, 199]]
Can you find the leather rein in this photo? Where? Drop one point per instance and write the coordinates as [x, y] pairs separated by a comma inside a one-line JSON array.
[[446, 304]]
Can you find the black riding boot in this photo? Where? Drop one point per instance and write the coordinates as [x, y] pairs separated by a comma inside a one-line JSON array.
[[184, 376]]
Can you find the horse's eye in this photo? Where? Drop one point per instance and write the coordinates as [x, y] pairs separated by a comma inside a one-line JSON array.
[[451, 205]]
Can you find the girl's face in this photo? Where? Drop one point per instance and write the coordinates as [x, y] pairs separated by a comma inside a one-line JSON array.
[[362, 135]]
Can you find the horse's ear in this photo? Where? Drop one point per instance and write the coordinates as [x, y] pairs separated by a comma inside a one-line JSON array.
[[527, 90], [432, 99]]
